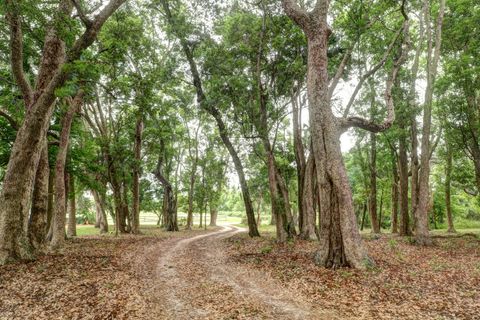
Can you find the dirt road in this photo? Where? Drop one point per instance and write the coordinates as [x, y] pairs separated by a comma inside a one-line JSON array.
[[194, 280]]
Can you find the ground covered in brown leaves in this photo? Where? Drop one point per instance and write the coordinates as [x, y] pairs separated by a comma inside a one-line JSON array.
[[93, 277], [408, 282], [223, 274]]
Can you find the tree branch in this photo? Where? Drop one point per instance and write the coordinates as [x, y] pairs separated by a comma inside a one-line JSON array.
[[13, 123], [372, 72], [339, 73], [16, 52], [90, 34], [86, 21], [370, 125], [296, 13]]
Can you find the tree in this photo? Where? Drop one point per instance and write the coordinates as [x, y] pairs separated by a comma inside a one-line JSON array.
[[433, 55], [340, 242], [179, 31], [58, 234], [27, 149]]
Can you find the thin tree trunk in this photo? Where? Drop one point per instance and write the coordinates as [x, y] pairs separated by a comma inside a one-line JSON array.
[[136, 175], [372, 202], [403, 176], [72, 213], [58, 235], [395, 178], [126, 218], [381, 211], [364, 215], [299, 156], [448, 182], [51, 194], [309, 221]]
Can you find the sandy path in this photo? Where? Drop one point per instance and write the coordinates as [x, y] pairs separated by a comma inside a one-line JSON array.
[[193, 280]]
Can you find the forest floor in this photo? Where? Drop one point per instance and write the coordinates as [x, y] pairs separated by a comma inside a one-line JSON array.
[[223, 274]]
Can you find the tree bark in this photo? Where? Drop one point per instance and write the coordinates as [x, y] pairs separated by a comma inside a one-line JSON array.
[[51, 194], [403, 176], [126, 218], [299, 158], [414, 166], [422, 236], [448, 183], [372, 202], [213, 216], [193, 176], [100, 209], [169, 205], [72, 212], [364, 216], [308, 205], [340, 241], [58, 235], [37, 226], [395, 181], [136, 175], [17, 187]]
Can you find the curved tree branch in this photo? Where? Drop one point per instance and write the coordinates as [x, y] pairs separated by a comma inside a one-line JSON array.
[[372, 71], [294, 11], [370, 125], [16, 52]]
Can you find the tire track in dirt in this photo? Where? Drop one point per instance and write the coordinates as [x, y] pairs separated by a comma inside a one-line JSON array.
[[195, 281]]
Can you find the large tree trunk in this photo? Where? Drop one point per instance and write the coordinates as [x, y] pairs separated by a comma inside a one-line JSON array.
[[308, 205], [169, 209], [37, 226], [213, 216], [422, 235], [72, 210], [136, 175], [448, 182], [340, 241], [58, 235]]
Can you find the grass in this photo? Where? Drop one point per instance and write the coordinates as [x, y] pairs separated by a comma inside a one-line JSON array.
[[86, 230]]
